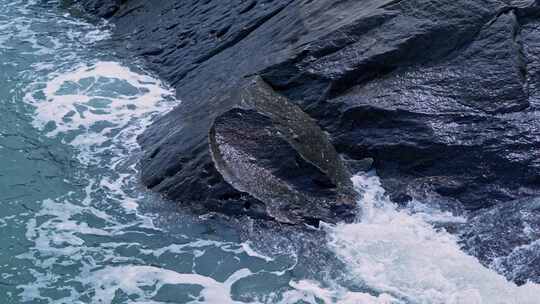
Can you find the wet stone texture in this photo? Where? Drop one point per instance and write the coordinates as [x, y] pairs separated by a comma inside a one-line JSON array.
[[267, 147], [444, 96]]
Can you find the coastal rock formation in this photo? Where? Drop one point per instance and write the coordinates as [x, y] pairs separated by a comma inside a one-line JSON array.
[[262, 156], [270, 149], [443, 95]]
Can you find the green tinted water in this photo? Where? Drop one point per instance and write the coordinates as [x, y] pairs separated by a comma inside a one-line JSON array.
[[72, 223]]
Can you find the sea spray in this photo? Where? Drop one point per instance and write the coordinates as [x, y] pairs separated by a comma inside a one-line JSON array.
[[397, 252]]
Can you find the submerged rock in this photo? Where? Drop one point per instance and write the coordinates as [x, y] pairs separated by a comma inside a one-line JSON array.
[[269, 148]]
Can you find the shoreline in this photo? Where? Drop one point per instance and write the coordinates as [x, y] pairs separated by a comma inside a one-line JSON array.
[[444, 101]]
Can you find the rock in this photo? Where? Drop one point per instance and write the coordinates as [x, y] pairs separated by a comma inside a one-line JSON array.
[[313, 183], [447, 93], [430, 94], [357, 166], [443, 95], [506, 238], [269, 148]]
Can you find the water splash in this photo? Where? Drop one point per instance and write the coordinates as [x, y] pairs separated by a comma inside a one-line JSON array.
[[396, 252]]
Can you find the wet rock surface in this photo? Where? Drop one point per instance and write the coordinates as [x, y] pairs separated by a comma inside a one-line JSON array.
[[269, 148], [437, 96], [444, 96], [507, 239]]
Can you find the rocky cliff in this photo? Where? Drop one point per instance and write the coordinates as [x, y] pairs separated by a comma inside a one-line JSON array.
[[443, 95]]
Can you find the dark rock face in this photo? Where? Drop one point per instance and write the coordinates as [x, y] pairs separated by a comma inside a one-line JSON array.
[[437, 94], [261, 156], [441, 94], [444, 96], [269, 148]]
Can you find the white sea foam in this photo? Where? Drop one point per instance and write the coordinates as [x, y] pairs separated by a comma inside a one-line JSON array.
[[433, 215], [246, 247], [399, 253], [21, 29], [201, 245], [132, 279], [310, 291], [82, 98]]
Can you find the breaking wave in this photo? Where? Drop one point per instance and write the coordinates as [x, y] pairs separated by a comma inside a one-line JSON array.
[[400, 253]]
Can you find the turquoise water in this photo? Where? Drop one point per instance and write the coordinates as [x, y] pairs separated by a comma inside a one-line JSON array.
[[77, 227], [72, 229]]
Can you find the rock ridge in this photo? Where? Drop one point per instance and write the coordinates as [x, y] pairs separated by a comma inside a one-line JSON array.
[[444, 96]]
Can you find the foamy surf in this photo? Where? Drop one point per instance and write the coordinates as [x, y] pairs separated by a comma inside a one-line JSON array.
[[399, 253], [312, 292], [132, 280], [95, 103]]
